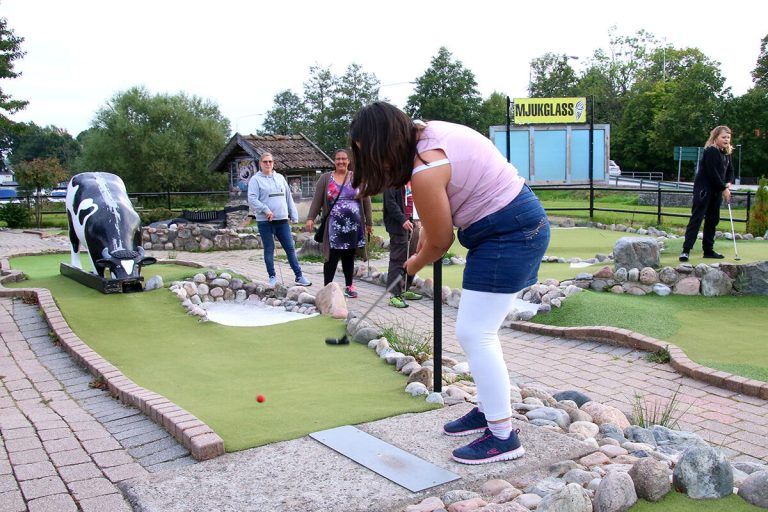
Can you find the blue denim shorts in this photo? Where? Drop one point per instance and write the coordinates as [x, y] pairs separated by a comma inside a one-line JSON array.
[[506, 247]]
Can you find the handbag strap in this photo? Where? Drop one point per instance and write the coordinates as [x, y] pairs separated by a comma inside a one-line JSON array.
[[334, 201]]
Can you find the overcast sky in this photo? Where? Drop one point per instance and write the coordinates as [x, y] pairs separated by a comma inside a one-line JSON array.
[[239, 54]]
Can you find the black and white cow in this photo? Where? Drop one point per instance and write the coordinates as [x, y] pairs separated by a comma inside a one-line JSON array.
[[101, 218]]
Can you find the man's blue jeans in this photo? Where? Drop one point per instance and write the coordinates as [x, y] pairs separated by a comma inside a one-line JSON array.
[[282, 230]]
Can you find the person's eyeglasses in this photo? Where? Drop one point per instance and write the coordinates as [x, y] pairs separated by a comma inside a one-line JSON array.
[[267, 162]]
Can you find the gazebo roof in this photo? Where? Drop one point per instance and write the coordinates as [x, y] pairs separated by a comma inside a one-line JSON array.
[[289, 152]]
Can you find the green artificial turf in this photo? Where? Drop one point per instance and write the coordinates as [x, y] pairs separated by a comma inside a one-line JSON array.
[[726, 333], [216, 372], [677, 502]]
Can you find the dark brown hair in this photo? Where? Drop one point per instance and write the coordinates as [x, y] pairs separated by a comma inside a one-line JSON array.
[[383, 148]]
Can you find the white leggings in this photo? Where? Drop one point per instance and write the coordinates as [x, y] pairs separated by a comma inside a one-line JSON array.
[[477, 329]]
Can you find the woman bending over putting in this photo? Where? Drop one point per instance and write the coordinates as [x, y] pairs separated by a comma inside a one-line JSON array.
[[459, 178]]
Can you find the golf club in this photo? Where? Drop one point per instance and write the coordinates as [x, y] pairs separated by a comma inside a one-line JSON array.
[[733, 232], [344, 340]]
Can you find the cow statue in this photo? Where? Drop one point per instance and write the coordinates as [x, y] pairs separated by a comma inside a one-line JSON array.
[[101, 218]]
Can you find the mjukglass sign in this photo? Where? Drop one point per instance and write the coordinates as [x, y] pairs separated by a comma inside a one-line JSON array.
[[550, 110]]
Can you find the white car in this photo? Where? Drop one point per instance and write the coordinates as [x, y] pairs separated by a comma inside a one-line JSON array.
[[613, 168]]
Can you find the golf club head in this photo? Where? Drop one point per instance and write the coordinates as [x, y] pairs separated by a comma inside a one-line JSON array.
[[337, 341]]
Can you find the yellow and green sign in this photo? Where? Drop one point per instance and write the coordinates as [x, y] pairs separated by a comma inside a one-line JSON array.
[[550, 110]]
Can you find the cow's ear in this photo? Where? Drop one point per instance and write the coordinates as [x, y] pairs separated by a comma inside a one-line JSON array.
[[147, 261]]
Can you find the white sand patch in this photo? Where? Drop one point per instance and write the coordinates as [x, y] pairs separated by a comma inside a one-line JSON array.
[[582, 264], [249, 315]]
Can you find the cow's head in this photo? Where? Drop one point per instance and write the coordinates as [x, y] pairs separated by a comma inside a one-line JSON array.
[[123, 263]]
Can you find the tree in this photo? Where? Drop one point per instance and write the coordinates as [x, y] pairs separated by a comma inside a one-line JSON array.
[[39, 174], [354, 89], [747, 115], [552, 76], [493, 112], [31, 141], [288, 115], [319, 91], [156, 142], [760, 73], [758, 216], [447, 91], [10, 50]]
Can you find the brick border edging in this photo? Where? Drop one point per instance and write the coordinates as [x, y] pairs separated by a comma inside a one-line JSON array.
[[201, 441], [678, 359]]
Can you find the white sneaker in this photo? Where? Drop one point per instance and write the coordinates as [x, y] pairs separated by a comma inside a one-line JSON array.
[[272, 281], [303, 281]]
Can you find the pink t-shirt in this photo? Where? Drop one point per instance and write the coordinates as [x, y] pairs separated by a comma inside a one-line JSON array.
[[482, 181]]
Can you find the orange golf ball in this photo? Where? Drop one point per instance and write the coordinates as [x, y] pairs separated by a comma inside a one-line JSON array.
[[260, 398]]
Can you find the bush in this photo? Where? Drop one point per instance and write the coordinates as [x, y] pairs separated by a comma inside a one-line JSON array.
[[16, 215], [758, 216], [155, 215]]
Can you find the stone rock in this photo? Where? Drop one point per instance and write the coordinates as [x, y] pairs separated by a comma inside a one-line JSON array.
[[640, 435], [687, 286], [661, 290], [648, 276], [749, 467], [633, 275], [416, 389], [605, 414], [755, 489], [752, 279], [305, 298], [620, 275], [495, 486], [637, 253], [430, 504], [576, 396], [154, 283], [579, 476], [545, 486], [671, 442], [529, 500], [703, 473], [451, 497], [506, 495], [651, 479], [330, 301], [615, 493], [605, 272], [558, 416], [715, 283], [586, 428], [572, 498], [423, 375], [594, 459]]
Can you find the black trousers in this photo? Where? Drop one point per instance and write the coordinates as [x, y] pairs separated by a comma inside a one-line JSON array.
[[347, 257], [706, 207], [398, 252]]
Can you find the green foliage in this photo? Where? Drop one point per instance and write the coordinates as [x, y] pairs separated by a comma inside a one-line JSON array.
[[760, 73], [158, 214], [493, 112], [447, 91], [288, 115], [758, 215], [646, 414], [15, 215], [327, 107], [407, 339], [747, 115], [552, 76], [660, 356], [10, 50], [30, 141], [39, 174], [156, 142]]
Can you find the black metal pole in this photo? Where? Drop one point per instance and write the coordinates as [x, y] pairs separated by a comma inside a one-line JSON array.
[[749, 206], [591, 156], [658, 204], [437, 324], [509, 122]]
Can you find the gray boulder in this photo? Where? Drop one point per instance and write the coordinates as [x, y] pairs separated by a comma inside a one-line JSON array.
[[755, 489], [571, 498], [703, 473], [651, 479], [752, 279], [634, 252], [579, 398], [715, 283], [616, 493]]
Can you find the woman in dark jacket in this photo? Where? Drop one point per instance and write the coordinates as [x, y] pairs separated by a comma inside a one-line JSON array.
[[711, 185], [349, 218]]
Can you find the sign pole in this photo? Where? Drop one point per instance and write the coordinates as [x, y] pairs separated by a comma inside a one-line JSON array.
[[437, 324], [679, 165], [591, 156]]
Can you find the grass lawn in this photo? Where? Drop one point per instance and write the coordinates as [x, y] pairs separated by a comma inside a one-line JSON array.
[[677, 502], [215, 371], [726, 333]]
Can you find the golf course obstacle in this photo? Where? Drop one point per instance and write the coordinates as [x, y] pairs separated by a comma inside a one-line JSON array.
[[102, 219]]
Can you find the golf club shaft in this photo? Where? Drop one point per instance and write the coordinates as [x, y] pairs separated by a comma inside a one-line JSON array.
[[733, 231], [389, 289]]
